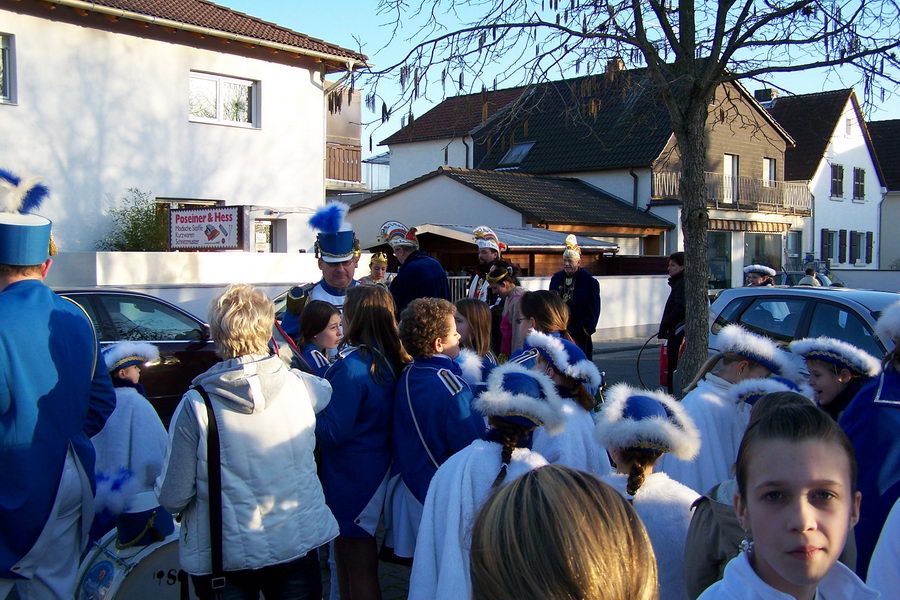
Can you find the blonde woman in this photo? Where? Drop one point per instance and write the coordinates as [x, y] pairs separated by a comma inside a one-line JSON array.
[[556, 533], [274, 515]]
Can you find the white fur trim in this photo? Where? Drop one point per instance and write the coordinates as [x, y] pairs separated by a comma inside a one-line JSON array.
[[117, 352], [584, 370], [470, 364], [854, 358], [888, 325], [749, 387], [760, 269], [496, 401], [735, 339], [677, 433]]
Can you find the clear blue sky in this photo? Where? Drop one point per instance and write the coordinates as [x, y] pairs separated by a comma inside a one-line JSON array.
[[345, 21]]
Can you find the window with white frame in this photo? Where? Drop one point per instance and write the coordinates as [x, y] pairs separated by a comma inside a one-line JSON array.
[[7, 68], [770, 172], [837, 181], [859, 184], [221, 99]]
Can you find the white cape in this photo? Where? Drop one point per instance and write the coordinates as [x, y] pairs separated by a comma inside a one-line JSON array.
[[664, 507], [459, 488], [575, 446], [884, 574], [721, 423]]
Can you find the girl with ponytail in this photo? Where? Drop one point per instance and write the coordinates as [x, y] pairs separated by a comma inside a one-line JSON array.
[[637, 427], [516, 401]]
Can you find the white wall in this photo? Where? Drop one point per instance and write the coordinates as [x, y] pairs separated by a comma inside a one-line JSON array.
[[100, 112], [890, 241], [617, 182], [188, 279], [414, 159], [631, 305], [869, 279], [849, 150], [438, 200]]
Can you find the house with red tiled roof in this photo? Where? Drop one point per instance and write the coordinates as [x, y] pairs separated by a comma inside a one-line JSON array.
[[886, 140], [835, 157], [194, 103], [611, 132]]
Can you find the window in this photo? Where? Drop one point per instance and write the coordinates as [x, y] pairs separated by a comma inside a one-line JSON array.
[[859, 184], [793, 241], [837, 181], [838, 322], [775, 318], [848, 126], [7, 69], [516, 154], [731, 176], [136, 318], [830, 243], [770, 172], [763, 249], [218, 99], [719, 257]]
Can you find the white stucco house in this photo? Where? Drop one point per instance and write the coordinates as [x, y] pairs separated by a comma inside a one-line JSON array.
[[610, 131], [886, 138], [835, 157], [192, 102]]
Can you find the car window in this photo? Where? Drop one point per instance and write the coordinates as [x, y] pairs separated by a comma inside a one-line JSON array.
[[104, 331], [841, 323], [138, 318], [774, 318], [728, 314]]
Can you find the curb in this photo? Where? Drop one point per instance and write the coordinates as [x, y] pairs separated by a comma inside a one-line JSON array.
[[611, 349]]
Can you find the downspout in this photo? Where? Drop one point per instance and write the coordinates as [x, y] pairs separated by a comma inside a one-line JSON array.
[[634, 193], [466, 165]]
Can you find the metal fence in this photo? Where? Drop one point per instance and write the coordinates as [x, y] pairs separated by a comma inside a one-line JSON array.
[[459, 286]]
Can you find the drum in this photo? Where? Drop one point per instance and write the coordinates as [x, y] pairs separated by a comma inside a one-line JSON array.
[[140, 573]]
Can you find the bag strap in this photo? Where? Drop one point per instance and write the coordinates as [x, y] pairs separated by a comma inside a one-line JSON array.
[[416, 421], [214, 472]]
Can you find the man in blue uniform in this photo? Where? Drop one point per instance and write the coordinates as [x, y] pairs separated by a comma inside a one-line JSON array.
[[419, 275], [338, 252], [55, 393], [581, 293]]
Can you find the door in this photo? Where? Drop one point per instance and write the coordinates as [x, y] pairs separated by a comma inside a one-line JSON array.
[[730, 178]]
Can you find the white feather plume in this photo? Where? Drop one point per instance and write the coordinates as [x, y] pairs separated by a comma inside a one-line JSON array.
[[470, 364], [888, 325], [678, 432]]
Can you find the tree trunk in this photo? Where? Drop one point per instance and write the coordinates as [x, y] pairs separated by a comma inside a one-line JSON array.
[[690, 134]]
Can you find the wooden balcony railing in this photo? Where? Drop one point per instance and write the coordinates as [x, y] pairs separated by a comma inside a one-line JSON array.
[[343, 162], [740, 193]]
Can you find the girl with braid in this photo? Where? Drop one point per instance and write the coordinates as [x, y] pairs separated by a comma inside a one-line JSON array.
[[516, 401], [637, 427]]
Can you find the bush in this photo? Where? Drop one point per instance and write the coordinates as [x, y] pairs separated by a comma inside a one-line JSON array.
[[138, 225]]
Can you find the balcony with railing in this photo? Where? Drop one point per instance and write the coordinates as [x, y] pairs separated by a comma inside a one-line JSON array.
[[343, 164], [739, 193]]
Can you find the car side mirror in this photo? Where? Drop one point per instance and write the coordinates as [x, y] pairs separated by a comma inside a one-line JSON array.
[[206, 332]]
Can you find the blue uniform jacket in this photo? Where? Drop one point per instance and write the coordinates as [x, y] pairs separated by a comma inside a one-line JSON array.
[[316, 359], [354, 435], [54, 391], [584, 307], [431, 394], [419, 277], [872, 422]]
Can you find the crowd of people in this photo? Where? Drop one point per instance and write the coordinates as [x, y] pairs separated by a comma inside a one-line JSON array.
[[471, 434]]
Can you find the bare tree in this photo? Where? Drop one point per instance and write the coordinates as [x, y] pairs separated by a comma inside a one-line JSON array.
[[689, 49]]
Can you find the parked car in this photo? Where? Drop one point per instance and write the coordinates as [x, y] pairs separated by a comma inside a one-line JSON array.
[[185, 346], [793, 277], [789, 313]]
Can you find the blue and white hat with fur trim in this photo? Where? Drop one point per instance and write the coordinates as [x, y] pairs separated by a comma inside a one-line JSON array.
[[749, 391], [127, 354], [522, 396], [760, 270], [566, 358], [734, 339], [838, 353], [888, 325], [645, 420]]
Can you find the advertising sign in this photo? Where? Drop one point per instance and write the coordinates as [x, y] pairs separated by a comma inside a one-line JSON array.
[[211, 228]]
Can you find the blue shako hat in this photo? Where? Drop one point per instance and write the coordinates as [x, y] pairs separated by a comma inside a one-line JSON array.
[[644, 420], [838, 353], [521, 396], [734, 339], [749, 391], [126, 354], [24, 237], [336, 241], [566, 358]]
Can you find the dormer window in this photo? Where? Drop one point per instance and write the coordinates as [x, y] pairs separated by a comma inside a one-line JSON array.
[[516, 154]]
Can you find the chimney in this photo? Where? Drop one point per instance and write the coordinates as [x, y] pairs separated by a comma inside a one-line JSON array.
[[614, 66], [765, 96]]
